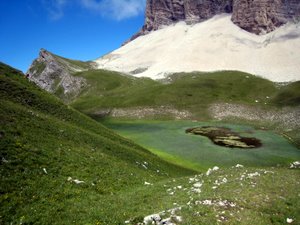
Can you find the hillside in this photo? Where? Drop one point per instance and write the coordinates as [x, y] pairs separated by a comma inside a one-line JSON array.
[[58, 166]]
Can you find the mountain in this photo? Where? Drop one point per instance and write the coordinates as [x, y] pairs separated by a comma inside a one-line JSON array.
[[212, 45], [257, 17], [256, 37], [54, 74]]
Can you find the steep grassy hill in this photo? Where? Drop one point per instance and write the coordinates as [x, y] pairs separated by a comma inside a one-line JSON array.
[[46, 148]]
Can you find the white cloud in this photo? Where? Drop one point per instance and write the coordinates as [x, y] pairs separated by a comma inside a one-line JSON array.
[[55, 8], [116, 9]]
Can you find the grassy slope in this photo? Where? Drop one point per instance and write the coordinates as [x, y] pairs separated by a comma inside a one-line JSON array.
[[192, 91], [38, 131], [288, 95], [74, 63]]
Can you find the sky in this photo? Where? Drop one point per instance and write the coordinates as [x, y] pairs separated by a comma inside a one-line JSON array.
[[75, 29]]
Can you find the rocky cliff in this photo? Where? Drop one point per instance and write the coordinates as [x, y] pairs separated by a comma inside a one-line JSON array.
[[264, 16], [55, 74], [256, 16]]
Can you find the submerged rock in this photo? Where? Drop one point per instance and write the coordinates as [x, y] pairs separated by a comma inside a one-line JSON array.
[[225, 137]]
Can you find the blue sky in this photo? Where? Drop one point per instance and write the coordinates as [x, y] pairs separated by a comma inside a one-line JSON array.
[[76, 29]]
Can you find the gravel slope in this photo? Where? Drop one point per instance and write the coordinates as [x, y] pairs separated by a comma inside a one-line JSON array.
[[213, 45]]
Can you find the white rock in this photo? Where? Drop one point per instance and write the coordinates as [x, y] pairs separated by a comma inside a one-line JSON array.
[[215, 168], [45, 171], [208, 172], [295, 165], [239, 166], [197, 185], [152, 218], [288, 220], [251, 175], [144, 166], [196, 190], [76, 181], [176, 219]]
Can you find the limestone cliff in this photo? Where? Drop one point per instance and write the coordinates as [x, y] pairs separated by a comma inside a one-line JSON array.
[[55, 74], [255, 16], [264, 16]]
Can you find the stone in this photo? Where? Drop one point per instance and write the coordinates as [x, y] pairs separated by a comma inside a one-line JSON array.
[[264, 16], [55, 75]]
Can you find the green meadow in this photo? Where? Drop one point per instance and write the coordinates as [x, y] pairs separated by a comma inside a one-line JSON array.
[[60, 166]]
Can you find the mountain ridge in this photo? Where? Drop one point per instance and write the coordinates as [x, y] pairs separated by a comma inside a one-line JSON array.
[[258, 17], [55, 74]]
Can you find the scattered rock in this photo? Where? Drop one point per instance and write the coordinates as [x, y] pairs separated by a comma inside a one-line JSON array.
[[239, 166], [4, 160], [220, 203], [76, 181], [295, 165]]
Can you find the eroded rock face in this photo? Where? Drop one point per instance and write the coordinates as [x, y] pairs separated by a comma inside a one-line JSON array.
[[54, 75], [255, 16], [161, 13], [264, 16]]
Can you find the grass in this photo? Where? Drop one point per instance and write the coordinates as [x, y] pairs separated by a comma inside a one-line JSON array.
[[75, 63], [193, 91], [44, 142], [288, 95]]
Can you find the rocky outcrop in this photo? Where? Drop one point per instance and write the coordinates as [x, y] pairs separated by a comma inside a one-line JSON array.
[[144, 112], [255, 16], [264, 16], [161, 13], [55, 75]]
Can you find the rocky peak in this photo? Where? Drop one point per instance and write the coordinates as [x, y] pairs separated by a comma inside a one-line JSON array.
[[255, 16], [264, 16], [55, 74], [44, 55]]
